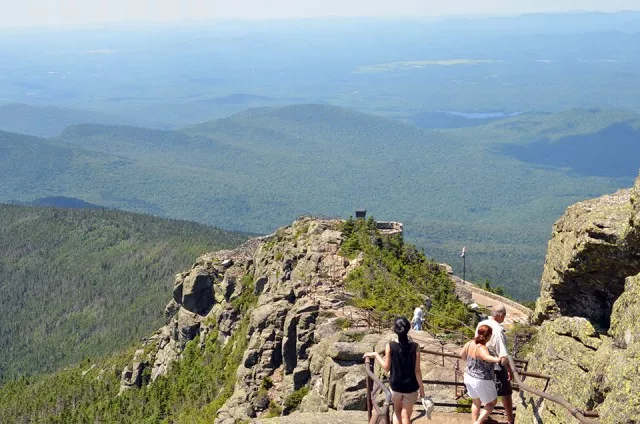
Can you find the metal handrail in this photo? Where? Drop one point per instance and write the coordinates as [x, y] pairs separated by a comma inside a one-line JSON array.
[[381, 413], [575, 412], [377, 414]]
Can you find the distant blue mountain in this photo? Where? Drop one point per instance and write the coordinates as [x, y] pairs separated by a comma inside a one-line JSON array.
[[64, 202], [48, 121]]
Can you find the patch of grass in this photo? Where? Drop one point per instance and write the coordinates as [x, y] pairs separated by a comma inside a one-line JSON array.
[[248, 297], [343, 323], [465, 404], [292, 401], [266, 383], [268, 245], [274, 410], [300, 231]]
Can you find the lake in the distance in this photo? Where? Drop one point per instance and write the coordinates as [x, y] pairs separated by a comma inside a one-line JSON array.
[[481, 115]]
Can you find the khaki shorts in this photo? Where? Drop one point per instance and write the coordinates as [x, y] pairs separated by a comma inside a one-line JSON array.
[[404, 399]]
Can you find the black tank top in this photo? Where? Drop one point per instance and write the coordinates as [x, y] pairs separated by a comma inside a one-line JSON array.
[[403, 368]]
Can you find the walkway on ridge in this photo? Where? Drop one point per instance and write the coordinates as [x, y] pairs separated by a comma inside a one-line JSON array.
[[489, 300]]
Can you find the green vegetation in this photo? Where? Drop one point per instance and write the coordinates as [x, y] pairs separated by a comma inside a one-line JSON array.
[[260, 169], [243, 303], [499, 290], [521, 339], [465, 404], [343, 323], [394, 278], [79, 283], [292, 401], [274, 410], [192, 392]]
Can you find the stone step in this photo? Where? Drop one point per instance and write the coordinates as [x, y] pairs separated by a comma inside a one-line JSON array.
[[357, 417]]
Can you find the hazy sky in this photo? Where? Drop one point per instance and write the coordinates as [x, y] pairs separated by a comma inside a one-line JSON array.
[[19, 13]]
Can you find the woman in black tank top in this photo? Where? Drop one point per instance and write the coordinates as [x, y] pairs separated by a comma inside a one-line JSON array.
[[402, 359]]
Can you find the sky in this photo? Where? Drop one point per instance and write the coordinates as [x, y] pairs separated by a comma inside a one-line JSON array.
[[36, 13]]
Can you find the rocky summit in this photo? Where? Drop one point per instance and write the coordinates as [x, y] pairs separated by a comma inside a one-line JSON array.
[[589, 313], [287, 288]]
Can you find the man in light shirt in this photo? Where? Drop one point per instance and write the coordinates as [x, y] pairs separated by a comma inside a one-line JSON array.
[[498, 344], [418, 317]]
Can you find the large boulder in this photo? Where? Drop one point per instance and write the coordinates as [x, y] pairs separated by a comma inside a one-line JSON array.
[[594, 247], [132, 375], [625, 318], [588, 370], [197, 291], [349, 351]]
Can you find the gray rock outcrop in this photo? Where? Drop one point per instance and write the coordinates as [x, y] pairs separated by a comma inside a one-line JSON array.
[[594, 247], [589, 311], [294, 279], [297, 274], [132, 374]]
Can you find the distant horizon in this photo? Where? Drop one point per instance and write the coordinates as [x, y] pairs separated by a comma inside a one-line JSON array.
[[247, 21], [70, 14]]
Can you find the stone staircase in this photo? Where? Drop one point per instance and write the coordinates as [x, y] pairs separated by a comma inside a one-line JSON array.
[[359, 417]]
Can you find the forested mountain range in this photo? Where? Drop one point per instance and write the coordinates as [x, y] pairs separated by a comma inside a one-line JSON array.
[[495, 188], [78, 283]]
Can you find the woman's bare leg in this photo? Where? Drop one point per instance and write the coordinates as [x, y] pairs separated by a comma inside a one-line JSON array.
[[475, 409], [397, 411], [407, 410], [486, 411]]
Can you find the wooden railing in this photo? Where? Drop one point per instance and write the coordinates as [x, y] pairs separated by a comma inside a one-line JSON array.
[[376, 414], [579, 414], [380, 414]]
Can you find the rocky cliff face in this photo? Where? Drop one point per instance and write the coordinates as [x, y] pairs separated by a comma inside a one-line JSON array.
[[593, 249], [287, 288], [589, 311]]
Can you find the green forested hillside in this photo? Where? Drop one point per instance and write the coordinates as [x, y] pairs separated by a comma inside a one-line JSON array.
[[76, 283], [491, 187]]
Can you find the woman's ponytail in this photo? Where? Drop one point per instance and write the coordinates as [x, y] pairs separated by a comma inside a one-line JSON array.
[[401, 328]]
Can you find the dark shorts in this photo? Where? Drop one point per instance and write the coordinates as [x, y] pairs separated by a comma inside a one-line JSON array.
[[503, 385]]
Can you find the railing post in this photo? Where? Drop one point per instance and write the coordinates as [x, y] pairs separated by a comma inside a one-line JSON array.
[[389, 413], [369, 364], [455, 373]]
